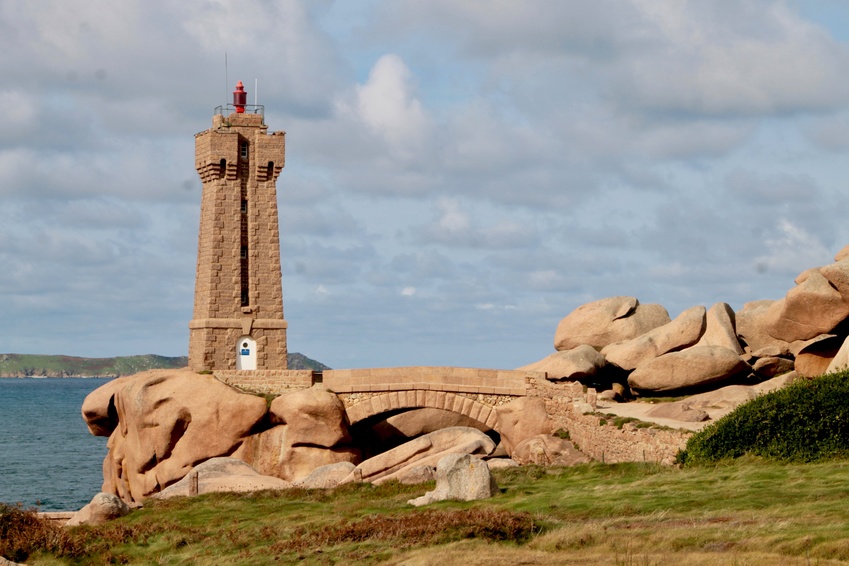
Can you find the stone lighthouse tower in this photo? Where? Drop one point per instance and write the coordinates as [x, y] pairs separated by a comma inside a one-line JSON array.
[[238, 314]]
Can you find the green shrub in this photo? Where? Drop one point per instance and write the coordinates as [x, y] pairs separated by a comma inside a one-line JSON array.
[[806, 421], [562, 433]]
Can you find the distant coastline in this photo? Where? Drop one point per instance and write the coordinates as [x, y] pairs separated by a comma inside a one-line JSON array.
[[15, 366], [34, 365]]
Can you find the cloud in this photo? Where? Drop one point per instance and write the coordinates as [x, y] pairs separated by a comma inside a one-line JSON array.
[[453, 227], [752, 58], [459, 176]]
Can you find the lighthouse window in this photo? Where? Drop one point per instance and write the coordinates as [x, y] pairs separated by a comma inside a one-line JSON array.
[[222, 168], [244, 150], [244, 252], [269, 174]]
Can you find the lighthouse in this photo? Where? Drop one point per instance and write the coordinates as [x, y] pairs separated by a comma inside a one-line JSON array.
[[238, 319]]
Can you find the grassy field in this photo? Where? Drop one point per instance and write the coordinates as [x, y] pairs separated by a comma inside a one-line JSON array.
[[748, 512]]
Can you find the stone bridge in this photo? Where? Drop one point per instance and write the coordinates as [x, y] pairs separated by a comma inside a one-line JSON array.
[[475, 393]]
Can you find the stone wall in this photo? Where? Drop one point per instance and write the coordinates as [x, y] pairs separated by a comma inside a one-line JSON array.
[[596, 435], [267, 381], [607, 443], [434, 378]]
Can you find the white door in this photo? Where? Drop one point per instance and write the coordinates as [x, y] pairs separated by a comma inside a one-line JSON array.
[[246, 353]]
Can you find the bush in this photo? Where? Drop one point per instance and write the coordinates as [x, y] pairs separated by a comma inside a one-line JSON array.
[[806, 421], [23, 532]]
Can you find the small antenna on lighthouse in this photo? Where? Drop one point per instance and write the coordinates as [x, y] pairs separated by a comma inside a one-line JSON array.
[[226, 79], [256, 90]]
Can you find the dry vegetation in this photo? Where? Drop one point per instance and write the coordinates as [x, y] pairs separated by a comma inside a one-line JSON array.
[[746, 512]]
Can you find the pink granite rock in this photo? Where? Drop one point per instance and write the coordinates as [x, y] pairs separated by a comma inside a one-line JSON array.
[[425, 450], [753, 322], [460, 477], [697, 366], [606, 321], [682, 332], [814, 357], [815, 306], [221, 475], [520, 419], [167, 422], [720, 329], [311, 431], [548, 450], [578, 363]]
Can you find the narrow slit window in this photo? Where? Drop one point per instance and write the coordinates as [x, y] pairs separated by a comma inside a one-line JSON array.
[[222, 168], [244, 206], [244, 252], [244, 297], [269, 174], [244, 150]]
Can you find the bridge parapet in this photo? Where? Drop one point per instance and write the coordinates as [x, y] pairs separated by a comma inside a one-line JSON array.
[[431, 378]]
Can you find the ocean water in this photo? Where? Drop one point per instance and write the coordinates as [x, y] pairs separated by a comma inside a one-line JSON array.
[[48, 459]]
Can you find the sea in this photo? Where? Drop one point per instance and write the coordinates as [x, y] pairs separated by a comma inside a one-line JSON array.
[[48, 459]]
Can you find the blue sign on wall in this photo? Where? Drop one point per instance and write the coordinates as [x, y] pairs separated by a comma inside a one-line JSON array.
[[245, 352]]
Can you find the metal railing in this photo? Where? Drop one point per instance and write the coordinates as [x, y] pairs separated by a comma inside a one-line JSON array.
[[249, 109]]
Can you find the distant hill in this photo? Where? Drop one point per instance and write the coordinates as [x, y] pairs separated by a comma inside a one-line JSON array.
[[31, 365], [300, 361]]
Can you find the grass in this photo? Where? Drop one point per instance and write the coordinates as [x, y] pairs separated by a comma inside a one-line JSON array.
[[749, 511]]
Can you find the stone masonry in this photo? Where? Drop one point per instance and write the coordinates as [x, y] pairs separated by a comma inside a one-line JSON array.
[[238, 290], [477, 393]]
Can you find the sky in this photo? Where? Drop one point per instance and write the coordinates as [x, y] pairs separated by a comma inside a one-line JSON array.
[[460, 174]]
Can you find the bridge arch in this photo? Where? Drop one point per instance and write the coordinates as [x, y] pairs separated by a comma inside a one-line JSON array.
[[416, 399]]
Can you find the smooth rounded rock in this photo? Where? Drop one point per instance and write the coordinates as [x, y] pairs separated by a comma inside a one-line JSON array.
[[680, 333], [222, 475], [809, 309], [580, 362], [102, 508], [168, 421], [521, 419], [605, 321], [720, 328], [694, 367], [460, 477]]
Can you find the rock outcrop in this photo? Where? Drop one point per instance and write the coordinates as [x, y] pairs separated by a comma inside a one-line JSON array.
[[694, 367], [522, 419], [753, 328], [425, 450], [218, 475], [816, 305], [578, 363], [461, 477], [327, 476], [548, 450], [309, 430], [167, 422], [603, 322], [720, 329], [163, 423], [680, 333], [102, 508], [815, 355]]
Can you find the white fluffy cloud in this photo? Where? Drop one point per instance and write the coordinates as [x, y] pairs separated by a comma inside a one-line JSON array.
[[459, 175]]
